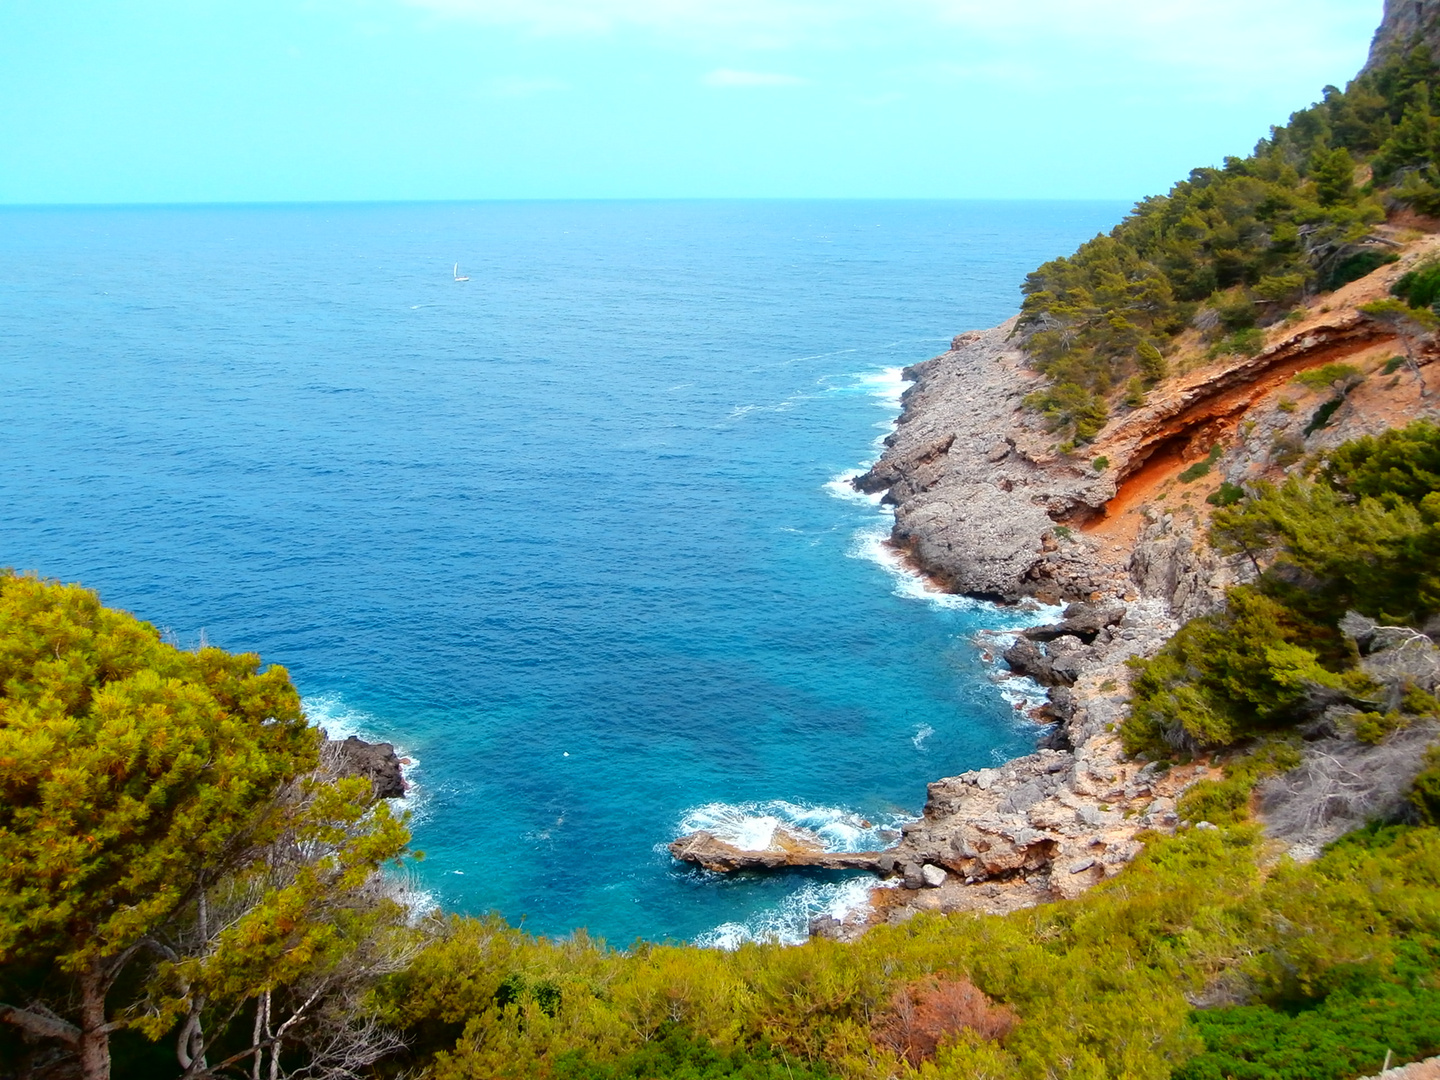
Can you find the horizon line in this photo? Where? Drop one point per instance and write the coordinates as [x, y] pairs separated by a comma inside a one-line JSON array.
[[279, 203]]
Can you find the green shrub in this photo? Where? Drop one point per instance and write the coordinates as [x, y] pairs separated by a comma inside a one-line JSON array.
[[1224, 678], [1322, 378], [1227, 494], [1401, 465], [1355, 267], [1277, 288], [1201, 468], [1349, 1034], [1070, 407], [1227, 801], [1374, 728], [1151, 362], [1394, 364], [1249, 342], [1365, 536], [1286, 449], [682, 1055], [1236, 312], [1420, 288], [1425, 794], [1101, 463], [1135, 393]]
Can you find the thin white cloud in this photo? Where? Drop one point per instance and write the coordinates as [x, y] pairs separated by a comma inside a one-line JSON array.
[[732, 18], [1084, 20], [1217, 41], [728, 77], [517, 87]]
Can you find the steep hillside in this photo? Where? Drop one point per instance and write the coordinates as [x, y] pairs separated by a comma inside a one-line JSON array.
[[1221, 339]]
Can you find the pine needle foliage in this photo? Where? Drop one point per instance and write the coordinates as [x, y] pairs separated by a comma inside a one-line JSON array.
[[169, 859], [1235, 247]]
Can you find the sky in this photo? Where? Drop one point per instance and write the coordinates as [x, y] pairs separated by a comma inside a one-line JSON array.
[[136, 101]]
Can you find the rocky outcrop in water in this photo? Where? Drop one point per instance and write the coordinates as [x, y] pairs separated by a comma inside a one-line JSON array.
[[1042, 827], [707, 850], [377, 762]]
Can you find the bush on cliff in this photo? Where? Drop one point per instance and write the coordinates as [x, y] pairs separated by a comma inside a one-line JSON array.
[[1362, 535], [1228, 677], [1374, 997]]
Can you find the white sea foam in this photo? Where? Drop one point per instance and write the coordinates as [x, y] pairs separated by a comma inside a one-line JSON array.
[[739, 412], [870, 544], [820, 356], [788, 923], [842, 488], [1021, 691], [922, 734], [407, 891], [340, 721], [751, 826], [887, 386]]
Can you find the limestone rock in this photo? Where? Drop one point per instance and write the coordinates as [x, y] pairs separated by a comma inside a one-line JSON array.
[[709, 851], [1403, 20]]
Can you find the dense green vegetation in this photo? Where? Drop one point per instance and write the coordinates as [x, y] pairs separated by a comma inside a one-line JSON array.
[[171, 864], [1236, 247], [1363, 534], [1097, 986]]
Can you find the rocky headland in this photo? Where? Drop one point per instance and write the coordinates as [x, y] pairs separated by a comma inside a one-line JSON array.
[[987, 504]]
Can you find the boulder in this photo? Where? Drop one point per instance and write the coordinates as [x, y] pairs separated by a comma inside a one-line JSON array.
[[1026, 658], [377, 762], [708, 850], [1081, 620]]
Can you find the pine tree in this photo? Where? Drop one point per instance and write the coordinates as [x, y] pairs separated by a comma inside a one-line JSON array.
[[152, 803], [1334, 174]]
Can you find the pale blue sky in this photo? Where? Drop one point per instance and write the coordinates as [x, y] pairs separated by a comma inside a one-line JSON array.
[[258, 100]]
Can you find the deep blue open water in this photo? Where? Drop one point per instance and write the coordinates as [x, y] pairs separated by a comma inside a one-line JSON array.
[[568, 533]]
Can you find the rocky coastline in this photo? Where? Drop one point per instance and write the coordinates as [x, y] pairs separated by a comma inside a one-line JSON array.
[[987, 505]]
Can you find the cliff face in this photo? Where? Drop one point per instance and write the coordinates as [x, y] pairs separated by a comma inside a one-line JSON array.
[[1403, 20], [985, 503]]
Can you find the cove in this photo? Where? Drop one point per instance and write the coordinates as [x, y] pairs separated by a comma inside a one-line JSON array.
[[569, 533]]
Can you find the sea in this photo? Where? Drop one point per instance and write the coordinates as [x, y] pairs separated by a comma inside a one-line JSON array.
[[575, 534]]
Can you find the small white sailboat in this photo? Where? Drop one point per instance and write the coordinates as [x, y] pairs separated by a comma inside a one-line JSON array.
[[459, 276]]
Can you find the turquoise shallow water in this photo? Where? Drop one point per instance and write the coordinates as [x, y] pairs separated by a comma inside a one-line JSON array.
[[568, 532]]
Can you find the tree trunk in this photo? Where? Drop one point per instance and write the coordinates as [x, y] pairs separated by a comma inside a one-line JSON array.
[[94, 1032]]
